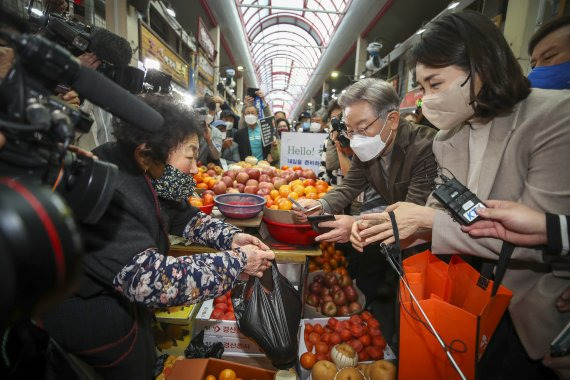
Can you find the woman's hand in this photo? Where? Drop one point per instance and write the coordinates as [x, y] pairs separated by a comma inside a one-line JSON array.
[[257, 260], [241, 239], [510, 221], [341, 228], [410, 218]]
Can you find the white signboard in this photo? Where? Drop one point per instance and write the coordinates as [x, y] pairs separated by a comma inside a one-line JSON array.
[[303, 149]]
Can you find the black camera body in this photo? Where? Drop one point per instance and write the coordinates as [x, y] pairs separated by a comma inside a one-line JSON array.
[[338, 125]]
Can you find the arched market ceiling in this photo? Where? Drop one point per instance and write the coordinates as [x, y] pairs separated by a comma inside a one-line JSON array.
[[286, 40]]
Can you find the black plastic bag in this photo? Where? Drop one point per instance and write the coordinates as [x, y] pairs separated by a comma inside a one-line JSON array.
[[268, 310], [197, 349]]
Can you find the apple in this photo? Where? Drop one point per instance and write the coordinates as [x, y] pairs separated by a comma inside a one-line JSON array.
[[264, 178], [278, 182], [319, 278], [211, 166], [323, 370], [354, 307], [299, 173], [336, 289], [349, 373], [220, 188], [329, 309], [250, 189], [263, 192], [331, 279], [253, 173], [266, 185], [211, 173], [315, 287], [345, 280], [343, 311], [240, 187], [232, 190], [252, 182], [325, 291], [242, 177], [228, 181], [339, 298], [230, 173], [313, 299], [326, 297], [350, 292], [309, 174], [208, 192]]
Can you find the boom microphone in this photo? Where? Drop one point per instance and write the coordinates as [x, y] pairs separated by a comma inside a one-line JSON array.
[[110, 47]]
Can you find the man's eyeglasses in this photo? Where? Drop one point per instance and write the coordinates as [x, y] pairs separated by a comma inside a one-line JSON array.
[[360, 131]]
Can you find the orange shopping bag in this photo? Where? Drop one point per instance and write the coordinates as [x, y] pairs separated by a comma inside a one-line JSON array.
[[458, 302]]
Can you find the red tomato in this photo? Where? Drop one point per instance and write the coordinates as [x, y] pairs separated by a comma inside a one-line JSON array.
[[345, 335], [355, 343], [318, 328], [363, 356], [365, 330], [379, 341], [334, 339], [326, 338], [356, 331], [356, 320], [230, 316], [373, 323], [375, 353], [322, 348], [217, 314], [366, 315], [321, 357], [332, 322], [308, 359], [208, 199], [308, 328], [365, 340], [314, 338], [221, 299], [221, 306], [375, 332]]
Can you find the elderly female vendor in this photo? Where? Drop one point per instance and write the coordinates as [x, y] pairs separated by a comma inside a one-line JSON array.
[[127, 271]]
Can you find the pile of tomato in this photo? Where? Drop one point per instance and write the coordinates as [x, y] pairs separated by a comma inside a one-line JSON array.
[[223, 308], [361, 331], [332, 260]]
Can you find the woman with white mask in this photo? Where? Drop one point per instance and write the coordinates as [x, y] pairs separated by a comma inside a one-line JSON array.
[[505, 142]]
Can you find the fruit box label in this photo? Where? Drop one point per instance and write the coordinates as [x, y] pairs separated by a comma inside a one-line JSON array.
[[215, 326], [235, 345]]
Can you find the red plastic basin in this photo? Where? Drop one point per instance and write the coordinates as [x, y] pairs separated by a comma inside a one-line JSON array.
[[207, 209], [298, 234]]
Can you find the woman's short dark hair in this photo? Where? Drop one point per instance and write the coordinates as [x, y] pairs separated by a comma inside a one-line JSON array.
[[280, 120], [472, 42], [179, 124], [333, 105]]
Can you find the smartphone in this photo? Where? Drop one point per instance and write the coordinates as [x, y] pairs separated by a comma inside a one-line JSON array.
[[251, 91], [316, 219]]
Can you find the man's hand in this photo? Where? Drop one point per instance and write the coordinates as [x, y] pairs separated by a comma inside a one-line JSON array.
[[341, 228], [307, 204], [227, 143], [248, 100], [71, 97], [241, 239], [207, 134], [89, 60], [260, 94], [510, 221]]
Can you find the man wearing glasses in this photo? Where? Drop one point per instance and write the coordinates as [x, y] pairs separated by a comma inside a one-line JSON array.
[[392, 155]]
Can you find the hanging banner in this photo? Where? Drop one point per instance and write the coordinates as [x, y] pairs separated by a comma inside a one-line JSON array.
[[205, 69], [267, 128], [411, 99], [152, 46], [304, 149], [205, 40]]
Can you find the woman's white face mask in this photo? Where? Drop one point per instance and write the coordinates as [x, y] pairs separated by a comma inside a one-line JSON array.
[[450, 107]]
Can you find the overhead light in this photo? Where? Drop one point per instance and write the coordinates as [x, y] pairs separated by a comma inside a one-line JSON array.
[[150, 63], [453, 5], [309, 104], [333, 90], [362, 76], [169, 9], [343, 91], [36, 12], [334, 74], [421, 31], [240, 68]]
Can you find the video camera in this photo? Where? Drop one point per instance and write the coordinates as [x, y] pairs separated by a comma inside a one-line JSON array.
[[337, 124]]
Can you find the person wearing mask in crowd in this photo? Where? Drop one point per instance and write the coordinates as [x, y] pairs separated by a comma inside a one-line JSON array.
[[503, 141], [304, 122], [281, 125], [265, 112], [549, 50], [126, 271], [280, 115], [230, 149], [230, 119], [319, 121], [331, 155], [249, 138], [210, 138]]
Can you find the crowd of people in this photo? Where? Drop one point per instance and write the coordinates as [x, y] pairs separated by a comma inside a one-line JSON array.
[[500, 133]]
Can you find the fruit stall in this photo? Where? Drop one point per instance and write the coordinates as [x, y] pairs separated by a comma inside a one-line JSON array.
[[337, 339]]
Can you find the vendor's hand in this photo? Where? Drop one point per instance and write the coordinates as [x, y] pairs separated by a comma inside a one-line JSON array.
[[257, 260], [562, 362], [89, 60], [227, 143], [410, 218], [563, 302], [71, 97], [248, 100], [341, 229], [510, 221], [241, 239], [307, 204]]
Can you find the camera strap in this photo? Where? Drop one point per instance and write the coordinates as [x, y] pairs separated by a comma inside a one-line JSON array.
[[157, 210], [504, 258]]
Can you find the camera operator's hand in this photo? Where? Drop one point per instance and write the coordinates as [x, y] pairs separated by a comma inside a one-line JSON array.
[[71, 97], [260, 94], [248, 100], [341, 229], [307, 204], [89, 60]]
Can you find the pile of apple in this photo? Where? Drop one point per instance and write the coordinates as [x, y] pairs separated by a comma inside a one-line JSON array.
[[223, 308], [361, 332], [333, 295], [331, 260]]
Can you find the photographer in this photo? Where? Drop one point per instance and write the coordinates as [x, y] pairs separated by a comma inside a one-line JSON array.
[[211, 138], [230, 149], [126, 272]]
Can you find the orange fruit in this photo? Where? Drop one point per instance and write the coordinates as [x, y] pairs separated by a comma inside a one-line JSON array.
[[285, 205], [196, 203], [208, 199], [210, 377], [294, 195], [309, 182], [312, 196], [310, 189], [227, 374], [284, 167], [321, 182], [321, 188], [297, 167], [284, 190], [202, 185], [295, 183], [299, 189], [308, 359], [274, 207], [274, 194]]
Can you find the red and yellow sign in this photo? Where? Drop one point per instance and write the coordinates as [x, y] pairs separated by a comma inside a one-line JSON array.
[[152, 46]]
